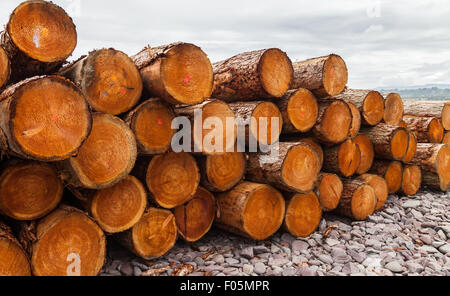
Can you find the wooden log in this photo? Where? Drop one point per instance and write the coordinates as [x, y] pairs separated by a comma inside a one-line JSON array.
[[367, 153], [370, 104], [303, 214], [5, 67], [412, 147], [29, 190], [256, 117], [324, 76], [391, 171], [13, 259], [329, 190], [44, 118], [179, 73], [172, 179], [412, 179], [343, 159], [151, 123], [389, 141], [251, 210], [393, 109], [316, 145], [426, 129], [259, 74], [334, 122], [38, 38], [446, 139], [216, 131], [107, 156], [403, 124], [292, 166], [153, 236], [65, 243], [380, 186], [434, 161], [222, 172], [195, 218], [438, 109], [358, 200], [356, 121], [109, 79], [299, 109]]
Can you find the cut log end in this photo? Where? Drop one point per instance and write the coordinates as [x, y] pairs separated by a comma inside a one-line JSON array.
[[5, 67], [261, 127], [120, 207], [446, 116], [446, 139], [399, 144], [335, 75], [317, 147], [356, 120], [435, 131], [302, 110], [107, 156], [412, 147], [349, 158], [393, 109], [443, 167], [303, 214], [43, 31], [14, 262], [367, 153], [29, 191], [276, 72], [393, 177], [224, 171], [336, 122], [329, 191], [373, 108], [363, 202], [412, 179], [173, 179], [380, 186], [194, 219]]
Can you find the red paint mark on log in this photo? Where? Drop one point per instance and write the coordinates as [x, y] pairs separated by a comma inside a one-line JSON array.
[[187, 79]]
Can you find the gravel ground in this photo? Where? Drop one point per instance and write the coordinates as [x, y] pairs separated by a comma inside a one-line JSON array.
[[410, 236]]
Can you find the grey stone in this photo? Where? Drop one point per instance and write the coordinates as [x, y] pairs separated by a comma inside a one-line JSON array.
[[260, 268], [219, 259], [298, 246], [332, 242], [350, 268], [247, 269], [199, 261], [394, 266], [278, 262], [211, 268], [372, 262], [247, 253], [306, 271], [126, 269], [258, 250], [414, 267], [289, 271], [274, 249], [325, 258], [411, 204], [137, 271], [232, 261], [287, 238], [445, 249], [428, 249]]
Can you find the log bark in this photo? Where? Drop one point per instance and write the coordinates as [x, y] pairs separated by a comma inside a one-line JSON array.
[[367, 153], [195, 218], [358, 200], [29, 190], [109, 79], [438, 109], [389, 141], [38, 38], [303, 214], [324, 76], [151, 123], [107, 156], [370, 104], [251, 210], [412, 179], [343, 159], [153, 236], [426, 129], [13, 259], [44, 118], [356, 121], [329, 190], [299, 109], [179, 73], [380, 186], [391, 171], [5, 68], [393, 109], [260, 74], [333, 123], [434, 161], [293, 167]]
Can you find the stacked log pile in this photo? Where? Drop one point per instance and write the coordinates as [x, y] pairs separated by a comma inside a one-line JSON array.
[[102, 129]]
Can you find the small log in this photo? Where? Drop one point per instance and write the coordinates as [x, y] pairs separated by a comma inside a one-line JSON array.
[[356, 121], [438, 109], [389, 141], [334, 122], [329, 190], [393, 109], [251, 210], [13, 259], [259, 74], [303, 214], [324, 76], [391, 171], [367, 153], [5, 67], [412, 179], [427, 129], [358, 200], [343, 159], [412, 147], [380, 186]]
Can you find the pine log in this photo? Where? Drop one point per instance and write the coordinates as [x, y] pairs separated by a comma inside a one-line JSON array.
[[65, 243], [153, 236], [222, 172], [393, 109], [343, 159], [214, 129], [172, 179], [107, 156], [316, 145], [151, 123], [412, 179], [391, 171], [5, 67], [299, 109], [109, 79], [251, 210], [367, 153], [356, 121], [195, 218], [358, 200], [412, 147], [329, 190], [324, 76], [446, 139], [334, 122], [434, 161], [427, 129], [303, 214], [389, 141], [13, 259], [438, 109], [38, 38], [179, 73], [259, 74], [291, 166], [29, 190], [44, 118], [380, 186]]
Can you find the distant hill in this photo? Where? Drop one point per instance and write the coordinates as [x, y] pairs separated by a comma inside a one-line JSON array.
[[438, 92]]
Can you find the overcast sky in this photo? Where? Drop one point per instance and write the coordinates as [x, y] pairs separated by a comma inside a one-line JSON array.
[[384, 43]]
